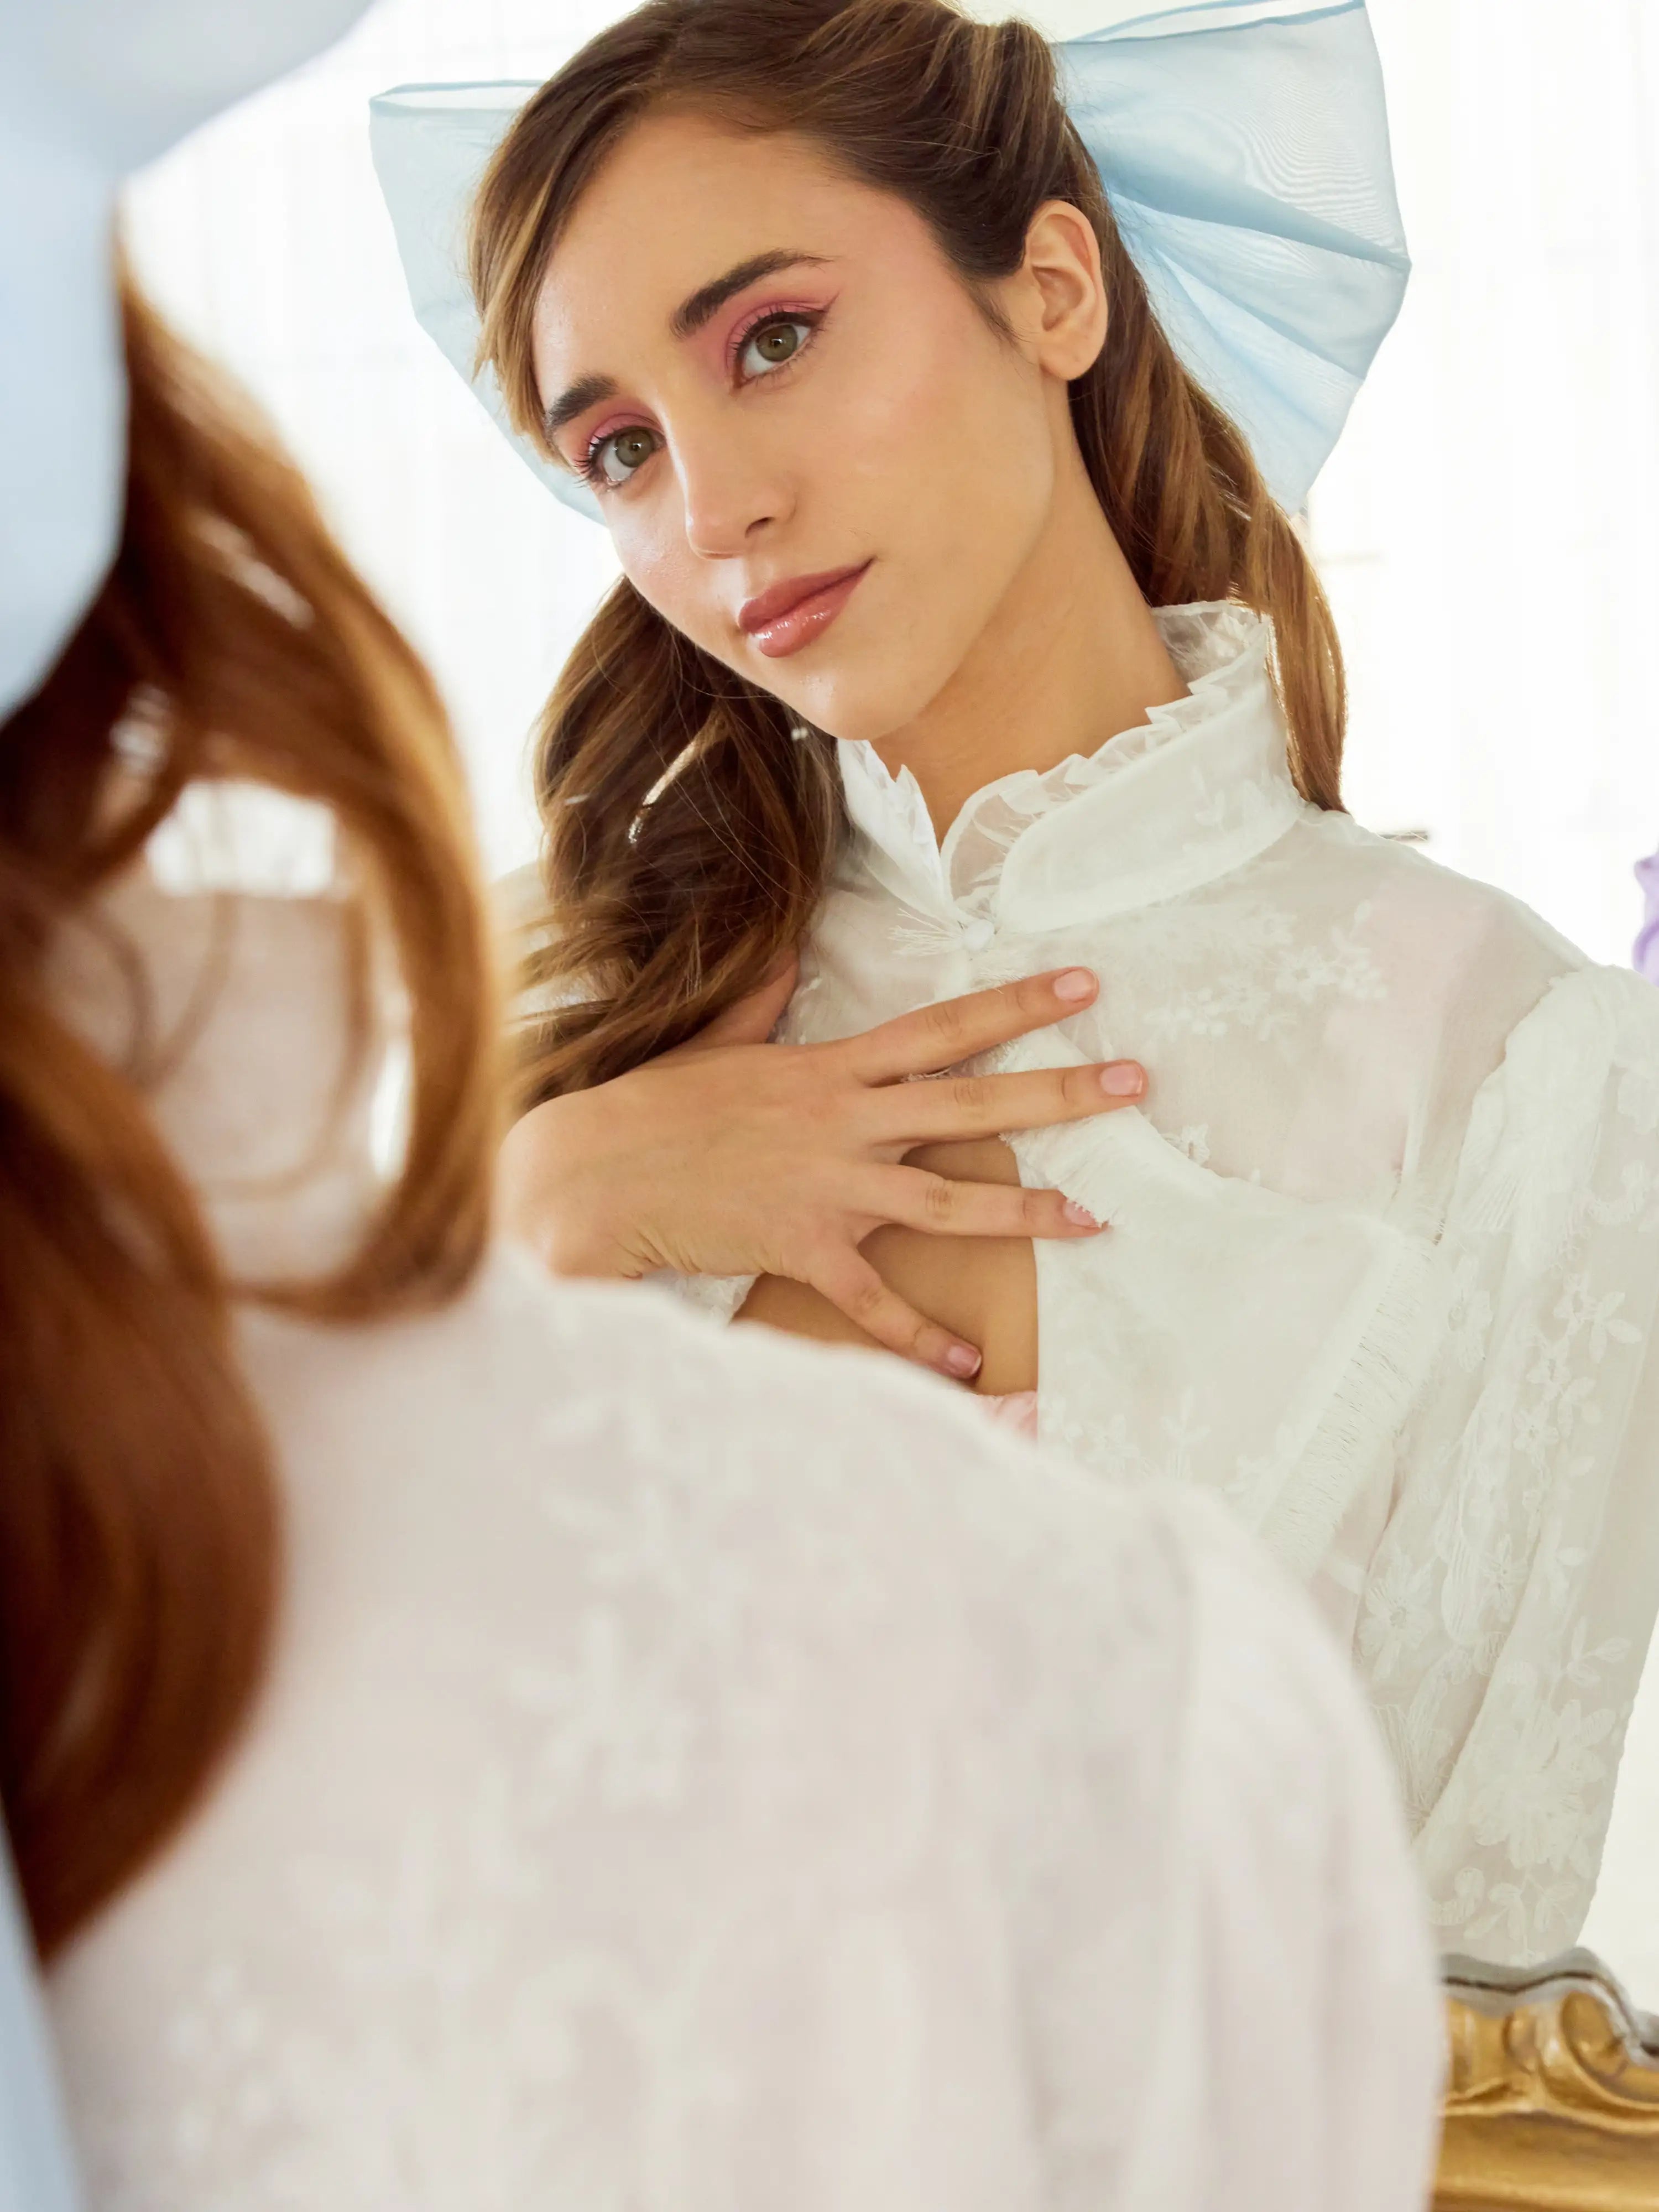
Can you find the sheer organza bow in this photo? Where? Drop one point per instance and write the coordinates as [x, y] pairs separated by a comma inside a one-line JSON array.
[[1245, 152]]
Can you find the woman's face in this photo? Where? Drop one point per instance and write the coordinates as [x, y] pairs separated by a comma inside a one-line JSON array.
[[773, 380]]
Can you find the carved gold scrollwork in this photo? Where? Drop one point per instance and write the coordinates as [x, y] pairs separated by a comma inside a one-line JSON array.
[[1552, 2094]]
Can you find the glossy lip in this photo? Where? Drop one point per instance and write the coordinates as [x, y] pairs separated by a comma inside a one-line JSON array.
[[777, 599], [792, 614]]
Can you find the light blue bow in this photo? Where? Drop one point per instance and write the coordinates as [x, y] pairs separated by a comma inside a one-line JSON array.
[[1244, 148], [36, 2174], [89, 91]]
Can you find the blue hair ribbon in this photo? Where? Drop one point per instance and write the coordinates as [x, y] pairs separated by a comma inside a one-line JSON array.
[[1244, 150], [36, 2170]]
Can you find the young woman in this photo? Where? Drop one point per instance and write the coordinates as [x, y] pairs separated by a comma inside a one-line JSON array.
[[959, 637], [476, 1744]]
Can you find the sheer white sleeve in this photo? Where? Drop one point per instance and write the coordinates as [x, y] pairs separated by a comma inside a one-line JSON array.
[[1511, 1601]]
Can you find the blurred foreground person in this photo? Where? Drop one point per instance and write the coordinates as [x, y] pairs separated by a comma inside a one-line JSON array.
[[470, 1743]]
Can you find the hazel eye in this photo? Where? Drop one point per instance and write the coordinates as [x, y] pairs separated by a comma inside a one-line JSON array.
[[772, 344], [615, 459]]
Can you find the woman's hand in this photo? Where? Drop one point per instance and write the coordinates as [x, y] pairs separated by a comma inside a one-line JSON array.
[[730, 1155]]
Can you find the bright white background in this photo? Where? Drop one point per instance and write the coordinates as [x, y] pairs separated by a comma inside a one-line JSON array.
[[1487, 528]]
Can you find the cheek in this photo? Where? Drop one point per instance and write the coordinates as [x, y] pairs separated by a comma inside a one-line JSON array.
[[892, 428], [946, 439], [660, 567]]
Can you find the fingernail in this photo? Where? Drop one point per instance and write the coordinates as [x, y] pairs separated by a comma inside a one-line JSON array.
[[1123, 1079], [1076, 984], [962, 1359], [1078, 1216]]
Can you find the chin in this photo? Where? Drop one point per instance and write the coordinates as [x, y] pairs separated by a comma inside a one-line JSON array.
[[855, 712], [867, 703]]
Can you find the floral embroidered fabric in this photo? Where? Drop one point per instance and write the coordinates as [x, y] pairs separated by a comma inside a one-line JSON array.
[[1384, 1252], [702, 1776]]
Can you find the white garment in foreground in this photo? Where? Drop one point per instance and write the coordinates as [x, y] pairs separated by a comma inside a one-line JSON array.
[[1383, 1270], [714, 1776]]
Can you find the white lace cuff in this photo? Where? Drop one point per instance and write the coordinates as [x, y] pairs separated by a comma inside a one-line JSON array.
[[717, 1296]]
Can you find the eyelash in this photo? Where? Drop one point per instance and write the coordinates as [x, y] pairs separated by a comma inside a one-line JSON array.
[[814, 318], [588, 467]]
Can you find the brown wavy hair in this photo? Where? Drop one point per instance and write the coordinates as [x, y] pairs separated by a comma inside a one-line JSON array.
[[139, 1530], [669, 899]]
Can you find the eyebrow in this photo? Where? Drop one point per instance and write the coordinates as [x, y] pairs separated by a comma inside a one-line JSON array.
[[687, 319], [707, 301], [575, 399]]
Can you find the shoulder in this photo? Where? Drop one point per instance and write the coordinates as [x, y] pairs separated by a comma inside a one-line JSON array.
[[610, 1397], [731, 1493], [1576, 1089], [1588, 1024], [803, 1603], [1453, 965], [1435, 918], [846, 1507]]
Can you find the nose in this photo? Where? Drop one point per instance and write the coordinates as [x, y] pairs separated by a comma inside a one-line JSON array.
[[732, 496]]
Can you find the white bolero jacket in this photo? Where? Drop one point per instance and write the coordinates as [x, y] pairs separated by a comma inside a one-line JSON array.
[[1383, 1266]]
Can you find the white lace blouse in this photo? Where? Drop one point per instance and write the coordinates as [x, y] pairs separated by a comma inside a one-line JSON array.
[[718, 1776], [1382, 1266]]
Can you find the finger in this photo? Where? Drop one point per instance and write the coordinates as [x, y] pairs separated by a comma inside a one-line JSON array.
[[752, 1019], [852, 1285], [986, 1105], [917, 1199], [954, 1029]]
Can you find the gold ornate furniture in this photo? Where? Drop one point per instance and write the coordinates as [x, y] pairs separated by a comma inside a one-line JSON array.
[[1553, 2093]]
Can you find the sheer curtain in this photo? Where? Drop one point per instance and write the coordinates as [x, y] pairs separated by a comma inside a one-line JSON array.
[[1486, 527]]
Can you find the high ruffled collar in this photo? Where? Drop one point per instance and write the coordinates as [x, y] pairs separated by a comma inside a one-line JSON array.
[[1199, 788]]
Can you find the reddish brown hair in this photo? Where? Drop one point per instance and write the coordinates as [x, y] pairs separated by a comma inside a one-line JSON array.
[[139, 1551], [668, 905]]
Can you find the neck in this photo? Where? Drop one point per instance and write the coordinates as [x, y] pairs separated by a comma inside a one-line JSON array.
[[1071, 657]]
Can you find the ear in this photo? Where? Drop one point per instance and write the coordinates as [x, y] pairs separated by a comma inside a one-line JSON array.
[[1059, 305]]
